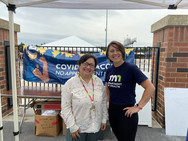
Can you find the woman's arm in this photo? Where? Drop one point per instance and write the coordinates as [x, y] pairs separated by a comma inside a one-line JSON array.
[[107, 94], [148, 91], [66, 107], [104, 108]]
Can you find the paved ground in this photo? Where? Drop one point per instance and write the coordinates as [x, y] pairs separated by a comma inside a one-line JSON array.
[[143, 134], [28, 132]]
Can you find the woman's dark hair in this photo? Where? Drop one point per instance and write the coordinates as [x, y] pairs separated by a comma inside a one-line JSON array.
[[119, 46], [85, 58]]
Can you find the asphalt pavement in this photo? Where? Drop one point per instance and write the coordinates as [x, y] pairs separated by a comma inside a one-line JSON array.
[[144, 133]]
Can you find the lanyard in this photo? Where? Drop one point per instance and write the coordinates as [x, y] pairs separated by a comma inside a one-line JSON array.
[[92, 98]]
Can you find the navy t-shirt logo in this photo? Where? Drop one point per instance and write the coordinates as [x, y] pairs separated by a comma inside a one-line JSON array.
[[114, 81], [115, 78]]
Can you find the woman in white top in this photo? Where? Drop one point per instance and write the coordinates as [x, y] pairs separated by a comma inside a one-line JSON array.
[[84, 103]]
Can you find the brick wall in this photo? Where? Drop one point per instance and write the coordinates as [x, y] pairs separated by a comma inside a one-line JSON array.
[[173, 67], [4, 36]]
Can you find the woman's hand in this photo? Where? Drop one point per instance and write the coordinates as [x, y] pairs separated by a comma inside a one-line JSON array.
[[75, 135], [103, 126], [131, 110]]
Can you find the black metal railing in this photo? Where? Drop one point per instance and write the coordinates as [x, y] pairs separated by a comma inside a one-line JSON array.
[[143, 57]]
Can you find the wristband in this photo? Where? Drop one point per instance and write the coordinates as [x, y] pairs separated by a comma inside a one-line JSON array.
[[139, 107]]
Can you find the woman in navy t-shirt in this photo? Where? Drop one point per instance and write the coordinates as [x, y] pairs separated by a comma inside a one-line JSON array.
[[121, 79]]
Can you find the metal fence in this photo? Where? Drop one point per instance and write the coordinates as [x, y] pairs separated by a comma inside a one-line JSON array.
[[143, 59]]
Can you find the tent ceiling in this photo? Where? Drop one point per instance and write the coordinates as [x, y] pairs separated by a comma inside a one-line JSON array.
[[100, 4]]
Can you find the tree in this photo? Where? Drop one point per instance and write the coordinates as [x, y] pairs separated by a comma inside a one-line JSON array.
[[20, 47]]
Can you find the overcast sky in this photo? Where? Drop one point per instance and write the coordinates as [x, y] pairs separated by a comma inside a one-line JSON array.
[[42, 25]]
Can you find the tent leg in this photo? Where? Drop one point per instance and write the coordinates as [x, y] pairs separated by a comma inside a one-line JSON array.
[[1, 122], [13, 74]]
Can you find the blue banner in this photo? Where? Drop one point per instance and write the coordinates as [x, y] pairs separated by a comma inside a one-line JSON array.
[[53, 66]]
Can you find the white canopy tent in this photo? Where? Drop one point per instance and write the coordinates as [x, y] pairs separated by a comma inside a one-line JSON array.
[[73, 4], [100, 4], [73, 43]]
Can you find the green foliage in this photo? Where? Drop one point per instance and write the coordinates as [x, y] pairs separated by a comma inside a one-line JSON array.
[[20, 47]]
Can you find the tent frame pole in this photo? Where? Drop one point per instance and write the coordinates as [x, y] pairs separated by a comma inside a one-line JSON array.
[[11, 9], [1, 120]]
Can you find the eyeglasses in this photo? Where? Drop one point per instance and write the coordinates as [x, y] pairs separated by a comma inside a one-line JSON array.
[[86, 64]]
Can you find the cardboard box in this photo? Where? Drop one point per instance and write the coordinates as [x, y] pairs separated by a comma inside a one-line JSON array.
[[63, 127], [47, 104], [47, 125]]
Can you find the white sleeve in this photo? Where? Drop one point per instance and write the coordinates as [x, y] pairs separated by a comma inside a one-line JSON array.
[[66, 107], [104, 104]]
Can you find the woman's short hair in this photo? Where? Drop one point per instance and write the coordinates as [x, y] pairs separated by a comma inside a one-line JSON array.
[[85, 57], [120, 47]]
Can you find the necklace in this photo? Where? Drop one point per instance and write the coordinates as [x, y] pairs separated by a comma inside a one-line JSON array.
[[92, 98]]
